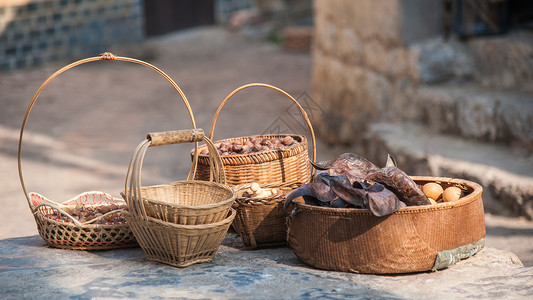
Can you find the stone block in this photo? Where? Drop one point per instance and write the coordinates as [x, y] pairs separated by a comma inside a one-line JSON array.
[[504, 62]]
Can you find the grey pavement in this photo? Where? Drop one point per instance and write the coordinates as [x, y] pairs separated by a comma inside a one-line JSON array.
[[82, 132]]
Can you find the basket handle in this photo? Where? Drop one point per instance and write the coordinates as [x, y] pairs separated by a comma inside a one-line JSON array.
[[103, 56], [302, 111], [132, 189]]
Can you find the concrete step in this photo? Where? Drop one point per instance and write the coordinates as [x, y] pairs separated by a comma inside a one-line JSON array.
[[503, 62], [474, 112], [506, 174]]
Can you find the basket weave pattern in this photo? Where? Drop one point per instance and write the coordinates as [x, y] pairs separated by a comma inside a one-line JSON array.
[[261, 222], [154, 211], [354, 240], [188, 202], [67, 235], [179, 245], [284, 165]]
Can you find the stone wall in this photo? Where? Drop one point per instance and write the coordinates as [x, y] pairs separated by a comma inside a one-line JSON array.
[[33, 32], [374, 60], [361, 67]]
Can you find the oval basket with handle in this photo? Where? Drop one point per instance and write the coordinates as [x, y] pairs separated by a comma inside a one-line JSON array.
[[56, 222], [161, 221], [289, 164]]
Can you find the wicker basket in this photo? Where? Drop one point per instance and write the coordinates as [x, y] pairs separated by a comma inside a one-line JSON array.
[[287, 165], [178, 245], [61, 230], [261, 222], [188, 202], [413, 239], [75, 234]]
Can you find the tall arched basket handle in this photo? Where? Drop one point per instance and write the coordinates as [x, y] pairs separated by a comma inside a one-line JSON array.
[[302, 111], [107, 56]]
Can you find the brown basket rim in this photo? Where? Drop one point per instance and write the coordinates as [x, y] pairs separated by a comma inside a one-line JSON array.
[[302, 144], [84, 226], [467, 199], [226, 221], [49, 203], [190, 182]]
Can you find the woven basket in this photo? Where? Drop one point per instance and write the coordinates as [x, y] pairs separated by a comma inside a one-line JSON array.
[[75, 234], [61, 230], [261, 222], [413, 239], [178, 245], [287, 165], [188, 202]]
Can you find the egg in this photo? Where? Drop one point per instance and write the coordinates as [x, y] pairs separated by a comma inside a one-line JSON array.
[[452, 193], [432, 190]]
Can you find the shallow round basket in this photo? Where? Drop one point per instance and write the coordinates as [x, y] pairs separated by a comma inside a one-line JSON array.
[[261, 222], [413, 239], [188, 202], [58, 228], [179, 245]]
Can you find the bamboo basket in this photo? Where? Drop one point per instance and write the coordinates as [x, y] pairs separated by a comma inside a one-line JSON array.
[[260, 222], [74, 234], [178, 245], [265, 167], [413, 239], [188, 202]]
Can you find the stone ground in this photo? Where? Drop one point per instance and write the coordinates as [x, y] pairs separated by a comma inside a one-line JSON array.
[[82, 132]]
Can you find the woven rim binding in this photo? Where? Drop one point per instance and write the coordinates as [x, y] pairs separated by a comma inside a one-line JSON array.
[[409, 209], [262, 156]]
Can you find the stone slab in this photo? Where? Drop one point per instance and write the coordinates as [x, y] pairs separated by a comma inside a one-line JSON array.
[[506, 176], [29, 269]]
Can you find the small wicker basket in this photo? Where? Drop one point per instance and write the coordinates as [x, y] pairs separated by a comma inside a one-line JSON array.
[[265, 167], [155, 229], [58, 226], [75, 234], [188, 202], [261, 222], [413, 239]]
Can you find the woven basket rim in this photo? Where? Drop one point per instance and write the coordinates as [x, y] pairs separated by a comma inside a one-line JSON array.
[[467, 199], [302, 143], [84, 226], [226, 221], [188, 182], [114, 199], [37, 212]]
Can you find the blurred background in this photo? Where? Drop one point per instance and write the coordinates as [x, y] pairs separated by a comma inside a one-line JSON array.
[[445, 86]]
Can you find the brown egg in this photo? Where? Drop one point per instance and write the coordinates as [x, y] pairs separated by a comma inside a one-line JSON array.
[[452, 193], [432, 190]]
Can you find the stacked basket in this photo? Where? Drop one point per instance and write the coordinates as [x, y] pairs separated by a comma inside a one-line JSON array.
[[261, 221], [61, 224], [184, 222]]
